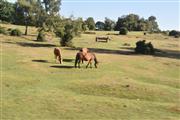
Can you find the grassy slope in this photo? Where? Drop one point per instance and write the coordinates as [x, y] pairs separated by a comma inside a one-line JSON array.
[[123, 87]]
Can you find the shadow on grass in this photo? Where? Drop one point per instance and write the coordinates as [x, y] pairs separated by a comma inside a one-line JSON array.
[[41, 61], [68, 60], [106, 51], [174, 54], [25, 44], [62, 66], [28, 44]]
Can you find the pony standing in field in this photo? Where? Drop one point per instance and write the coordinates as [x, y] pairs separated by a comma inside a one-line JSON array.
[[57, 54], [84, 50], [87, 56]]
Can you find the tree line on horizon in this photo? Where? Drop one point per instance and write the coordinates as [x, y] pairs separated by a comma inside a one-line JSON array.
[[39, 12], [45, 14]]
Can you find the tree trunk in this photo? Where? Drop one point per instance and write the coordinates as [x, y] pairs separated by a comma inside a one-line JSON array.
[[26, 29]]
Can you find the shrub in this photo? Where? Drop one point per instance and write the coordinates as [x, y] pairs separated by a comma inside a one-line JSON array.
[[144, 48], [41, 36], [174, 33], [66, 40], [2, 30], [123, 31], [16, 32], [66, 35], [9, 29]]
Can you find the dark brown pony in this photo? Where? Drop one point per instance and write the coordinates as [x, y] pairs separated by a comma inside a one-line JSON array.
[[80, 56], [57, 54]]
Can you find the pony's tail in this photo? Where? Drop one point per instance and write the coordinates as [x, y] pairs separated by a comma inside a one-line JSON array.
[[95, 60]]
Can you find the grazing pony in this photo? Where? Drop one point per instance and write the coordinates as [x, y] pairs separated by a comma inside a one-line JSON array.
[[80, 56], [84, 50], [57, 54]]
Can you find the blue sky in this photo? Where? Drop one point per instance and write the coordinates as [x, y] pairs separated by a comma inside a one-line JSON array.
[[166, 11]]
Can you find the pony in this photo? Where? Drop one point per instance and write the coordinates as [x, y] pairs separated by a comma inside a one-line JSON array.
[[80, 56], [84, 50], [57, 54]]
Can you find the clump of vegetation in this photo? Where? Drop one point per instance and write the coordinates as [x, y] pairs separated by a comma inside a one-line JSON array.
[[41, 36], [174, 33], [66, 34], [16, 32], [2, 30], [123, 31], [144, 48]]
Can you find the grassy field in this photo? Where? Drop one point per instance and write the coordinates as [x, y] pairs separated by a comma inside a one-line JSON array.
[[125, 86]]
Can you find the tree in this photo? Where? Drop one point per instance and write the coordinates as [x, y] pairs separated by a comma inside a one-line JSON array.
[[121, 23], [142, 25], [152, 24], [123, 31], [90, 23], [84, 26], [134, 23], [109, 24], [52, 7], [174, 33], [100, 25], [6, 11], [25, 12]]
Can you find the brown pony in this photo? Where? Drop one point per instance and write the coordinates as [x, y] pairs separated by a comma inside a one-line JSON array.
[[84, 50], [80, 56], [57, 54]]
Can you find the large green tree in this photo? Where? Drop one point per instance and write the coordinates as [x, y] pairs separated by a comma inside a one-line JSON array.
[[24, 13], [6, 11], [109, 24], [100, 25], [152, 24], [90, 23], [134, 23]]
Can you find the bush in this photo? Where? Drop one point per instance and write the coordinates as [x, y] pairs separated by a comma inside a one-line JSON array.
[[16, 32], [41, 37], [123, 31], [2, 30], [66, 35], [66, 40], [9, 29], [174, 33], [144, 48]]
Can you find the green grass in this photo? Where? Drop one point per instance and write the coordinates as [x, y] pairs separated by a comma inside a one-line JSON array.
[[124, 86]]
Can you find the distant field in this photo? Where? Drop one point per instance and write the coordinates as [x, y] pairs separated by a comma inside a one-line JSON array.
[[125, 86]]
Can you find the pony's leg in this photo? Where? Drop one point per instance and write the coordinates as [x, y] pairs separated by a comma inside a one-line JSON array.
[[60, 60], [88, 64], [79, 63], [95, 65]]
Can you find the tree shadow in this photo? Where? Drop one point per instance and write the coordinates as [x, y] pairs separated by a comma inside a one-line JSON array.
[[174, 54], [127, 48], [41, 61], [68, 60], [25, 44], [106, 51], [62, 66]]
